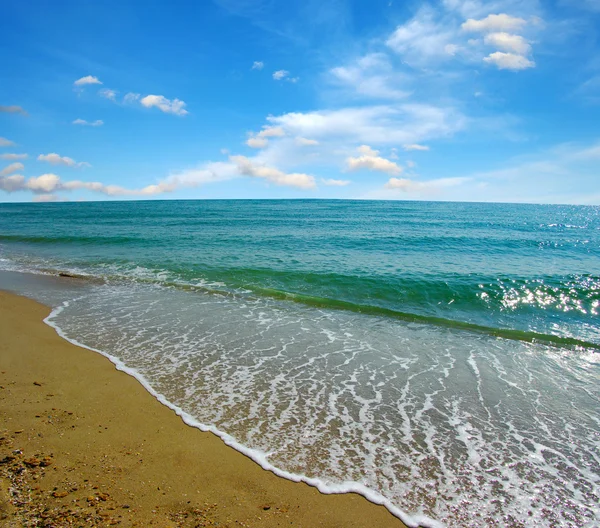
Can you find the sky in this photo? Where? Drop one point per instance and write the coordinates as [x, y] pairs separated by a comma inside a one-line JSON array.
[[460, 100]]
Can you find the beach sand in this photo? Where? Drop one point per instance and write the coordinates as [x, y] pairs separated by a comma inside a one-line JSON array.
[[83, 444]]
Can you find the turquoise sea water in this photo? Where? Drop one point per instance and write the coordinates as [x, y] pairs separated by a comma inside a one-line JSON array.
[[442, 357]]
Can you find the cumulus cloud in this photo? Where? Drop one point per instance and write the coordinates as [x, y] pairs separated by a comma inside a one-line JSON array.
[[13, 109], [508, 42], [257, 142], [108, 94], [248, 167], [12, 157], [509, 61], [414, 146], [433, 35], [261, 140], [88, 79], [369, 159], [175, 106], [500, 33], [284, 75], [50, 183], [234, 167], [83, 122], [494, 23], [13, 167], [271, 131], [280, 74], [56, 159], [46, 183], [258, 65], [6, 142], [335, 183], [305, 142], [12, 183]]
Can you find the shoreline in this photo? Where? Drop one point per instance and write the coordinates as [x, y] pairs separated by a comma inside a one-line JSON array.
[[84, 441]]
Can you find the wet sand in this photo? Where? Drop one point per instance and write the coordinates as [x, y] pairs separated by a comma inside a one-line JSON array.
[[83, 444]]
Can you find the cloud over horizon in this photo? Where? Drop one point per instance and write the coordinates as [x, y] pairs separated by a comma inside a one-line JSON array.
[[371, 160]]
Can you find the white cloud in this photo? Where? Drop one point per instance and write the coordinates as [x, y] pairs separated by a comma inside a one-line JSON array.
[[13, 157], [410, 186], [235, 167], [83, 122], [258, 65], [423, 38], [494, 23], [210, 172], [88, 79], [56, 159], [13, 109], [116, 190], [271, 131], [280, 75], [378, 125], [284, 75], [13, 167], [257, 142], [248, 167], [500, 32], [371, 76], [261, 140], [508, 42], [370, 159], [12, 183], [46, 198], [509, 61], [365, 150], [131, 97], [50, 183], [304, 142], [335, 183], [566, 173], [6, 142], [46, 183], [434, 35], [175, 106], [415, 146], [108, 94]]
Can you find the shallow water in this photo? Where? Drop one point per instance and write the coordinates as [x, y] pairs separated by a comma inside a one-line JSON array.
[[444, 357]]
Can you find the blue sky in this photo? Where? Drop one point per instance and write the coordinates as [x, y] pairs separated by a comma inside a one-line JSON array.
[[447, 100]]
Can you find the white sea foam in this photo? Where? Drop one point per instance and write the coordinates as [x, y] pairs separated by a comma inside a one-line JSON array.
[[434, 424], [261, 458]]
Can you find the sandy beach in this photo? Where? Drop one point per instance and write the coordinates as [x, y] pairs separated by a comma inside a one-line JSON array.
[[82, 443]]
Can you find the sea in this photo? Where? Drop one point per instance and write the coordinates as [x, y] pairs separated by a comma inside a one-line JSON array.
[[441, 359]]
